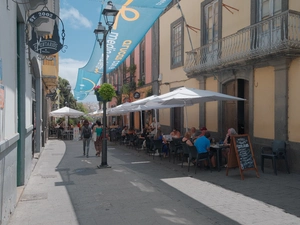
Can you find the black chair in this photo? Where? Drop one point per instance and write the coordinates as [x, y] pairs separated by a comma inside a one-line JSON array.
[[175, 148], [157, 146], [277, 151], [185, 153], [198, 157]]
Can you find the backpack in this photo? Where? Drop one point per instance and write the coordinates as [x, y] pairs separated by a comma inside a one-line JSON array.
[[86, 132]]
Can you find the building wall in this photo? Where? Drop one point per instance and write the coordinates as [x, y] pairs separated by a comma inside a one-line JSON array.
[[8, 144], [211, 107], [264, 94], [240, 18], [294, 5], [148, 57], [19, 66], [293, 99], [174, 78]]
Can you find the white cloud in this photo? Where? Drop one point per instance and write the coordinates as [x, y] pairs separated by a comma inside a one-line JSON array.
[[75, 18], [68, 69]]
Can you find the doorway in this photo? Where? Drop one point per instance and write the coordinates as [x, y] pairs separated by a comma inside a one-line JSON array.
[[177, 119], [236, 113]]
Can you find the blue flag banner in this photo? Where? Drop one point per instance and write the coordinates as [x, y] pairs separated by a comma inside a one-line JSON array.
[[133, 21]]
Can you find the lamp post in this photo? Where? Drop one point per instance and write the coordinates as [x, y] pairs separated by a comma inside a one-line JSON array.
[[101, 32]]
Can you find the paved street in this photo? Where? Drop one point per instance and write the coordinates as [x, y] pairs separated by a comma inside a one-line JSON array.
[[67, 188]]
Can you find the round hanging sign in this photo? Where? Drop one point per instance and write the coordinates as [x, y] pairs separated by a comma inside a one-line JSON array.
[[136, 95], [45, 39]]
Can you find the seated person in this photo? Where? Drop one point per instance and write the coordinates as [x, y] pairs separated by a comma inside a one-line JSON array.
[[131, 131], [203, 131], [203, 145], [193, 132], [144, 134], [226, 143], [124, 131], [187, 139], [175, 133], [165, 147]]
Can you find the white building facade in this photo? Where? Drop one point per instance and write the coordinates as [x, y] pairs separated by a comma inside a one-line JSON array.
[[22, 100]]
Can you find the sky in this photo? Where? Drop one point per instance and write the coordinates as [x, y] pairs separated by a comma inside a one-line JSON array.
[[80, 18]]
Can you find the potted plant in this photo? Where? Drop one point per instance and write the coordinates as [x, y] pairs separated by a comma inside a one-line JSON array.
[[105, 92]]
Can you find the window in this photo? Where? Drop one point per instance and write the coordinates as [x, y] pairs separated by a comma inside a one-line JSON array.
[[177, 43], [124, 70], [211, 15], [268, 8], [142, 58]]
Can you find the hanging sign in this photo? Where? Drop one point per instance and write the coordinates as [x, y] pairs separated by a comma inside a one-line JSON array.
[[45, 40], [136, 95]]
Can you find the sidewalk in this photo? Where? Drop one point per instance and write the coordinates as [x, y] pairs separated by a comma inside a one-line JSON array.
[[43, 200], [67, 188]]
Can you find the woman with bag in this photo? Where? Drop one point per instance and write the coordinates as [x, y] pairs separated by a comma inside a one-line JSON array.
[[98, 139]]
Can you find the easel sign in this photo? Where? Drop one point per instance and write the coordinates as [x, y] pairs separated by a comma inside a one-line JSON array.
[[241, 155]]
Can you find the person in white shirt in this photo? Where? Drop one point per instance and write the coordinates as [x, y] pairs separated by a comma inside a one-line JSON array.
[[154, 125]]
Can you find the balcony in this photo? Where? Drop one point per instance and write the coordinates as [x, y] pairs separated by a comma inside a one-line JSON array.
[[279, 35]]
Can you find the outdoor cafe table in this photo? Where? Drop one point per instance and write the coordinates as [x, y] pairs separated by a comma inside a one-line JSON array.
[[218, 149]]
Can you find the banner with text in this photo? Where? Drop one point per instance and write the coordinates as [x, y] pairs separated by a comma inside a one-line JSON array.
[[133, 21]]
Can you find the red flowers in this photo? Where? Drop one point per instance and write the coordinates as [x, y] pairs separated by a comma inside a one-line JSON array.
[[96, 88]]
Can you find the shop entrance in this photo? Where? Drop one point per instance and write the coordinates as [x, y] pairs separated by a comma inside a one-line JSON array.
[[236, 113]]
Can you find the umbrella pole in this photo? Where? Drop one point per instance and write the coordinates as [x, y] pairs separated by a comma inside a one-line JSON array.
[[155, 122], [186, 119], [141, 122]]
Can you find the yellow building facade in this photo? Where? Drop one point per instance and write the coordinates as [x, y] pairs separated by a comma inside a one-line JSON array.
[[248, 49]]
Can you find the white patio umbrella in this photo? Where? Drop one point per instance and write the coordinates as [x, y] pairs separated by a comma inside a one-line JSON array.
[[96, 113], [119, 110], [149, 104], [191, 96], [66, 111]]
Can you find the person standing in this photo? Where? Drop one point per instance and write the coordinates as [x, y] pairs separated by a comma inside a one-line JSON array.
[[226, 143], [98, 143], [86, 135]]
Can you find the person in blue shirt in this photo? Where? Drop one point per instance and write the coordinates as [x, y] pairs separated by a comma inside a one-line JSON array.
[[203, 145]]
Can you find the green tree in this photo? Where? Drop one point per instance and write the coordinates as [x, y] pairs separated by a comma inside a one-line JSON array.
[[66, 98]]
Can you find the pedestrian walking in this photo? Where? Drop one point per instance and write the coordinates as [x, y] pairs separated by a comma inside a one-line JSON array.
[[98, 143], [86, 135]]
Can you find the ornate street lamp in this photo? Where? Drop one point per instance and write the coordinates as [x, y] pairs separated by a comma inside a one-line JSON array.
[[110, 12]]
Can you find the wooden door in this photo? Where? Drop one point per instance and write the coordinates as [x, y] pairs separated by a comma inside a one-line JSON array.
[[230, 108]]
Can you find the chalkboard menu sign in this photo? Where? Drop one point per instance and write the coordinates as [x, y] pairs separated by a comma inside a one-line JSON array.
[[244, 152], [241, 154]]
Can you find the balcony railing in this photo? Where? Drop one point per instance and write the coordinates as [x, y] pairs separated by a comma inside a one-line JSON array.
[[279, 34]]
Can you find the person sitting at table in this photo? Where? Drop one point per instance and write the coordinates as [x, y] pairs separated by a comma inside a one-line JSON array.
[[165, 147], [144, 137], [203, 145], [131, 130], [193, 132], [175, 133], [226, 143], [187, 139], [124, 131], [203, 131]]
